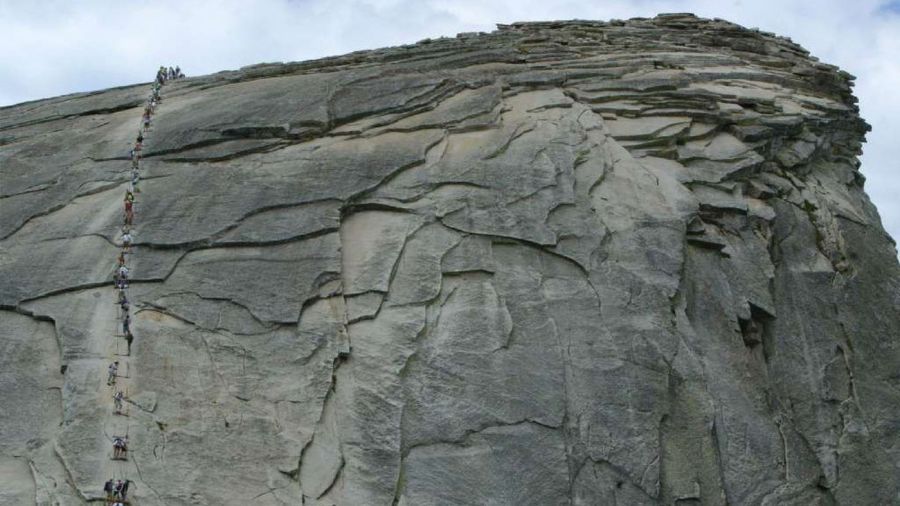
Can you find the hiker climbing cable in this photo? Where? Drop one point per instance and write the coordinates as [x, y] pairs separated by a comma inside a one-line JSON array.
[[129, 338], [122, 489], [120, 447], [121, 278], [126, 241], [123, 300], [118, 398], [129, 212], [113, 372]]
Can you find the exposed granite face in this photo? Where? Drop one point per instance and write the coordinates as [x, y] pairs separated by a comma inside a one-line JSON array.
[[562, 263]]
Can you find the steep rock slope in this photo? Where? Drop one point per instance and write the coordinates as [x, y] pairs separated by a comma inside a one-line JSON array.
[[624, 262]]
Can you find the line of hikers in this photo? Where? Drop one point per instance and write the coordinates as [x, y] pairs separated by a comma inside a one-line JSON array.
[[117, 490], [164, 74]]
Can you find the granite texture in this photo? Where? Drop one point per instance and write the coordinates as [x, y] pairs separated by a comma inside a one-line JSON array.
[[563, 263]]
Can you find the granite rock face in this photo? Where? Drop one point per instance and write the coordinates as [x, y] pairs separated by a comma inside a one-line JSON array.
[[564, 263]]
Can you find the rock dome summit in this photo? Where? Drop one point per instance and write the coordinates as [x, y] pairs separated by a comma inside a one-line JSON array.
[[562, 263]]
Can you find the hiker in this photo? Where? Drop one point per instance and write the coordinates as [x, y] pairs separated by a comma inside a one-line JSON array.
[[120, 260], [120, 282], [140, 136], [120, 447], [126, 241], [123, 300], [121, 277], [118, 398], [113, 372], [129, 212], [129, 338], [108, 488], [171, 73], [123, 493], [178, 74], [126, 324]]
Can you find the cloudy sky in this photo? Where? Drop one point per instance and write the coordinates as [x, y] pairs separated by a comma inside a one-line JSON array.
[[55, 47]]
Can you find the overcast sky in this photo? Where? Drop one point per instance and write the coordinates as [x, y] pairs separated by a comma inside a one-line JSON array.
[[52, 48]]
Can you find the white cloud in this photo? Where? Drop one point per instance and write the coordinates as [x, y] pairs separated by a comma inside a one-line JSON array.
[[56, 47]]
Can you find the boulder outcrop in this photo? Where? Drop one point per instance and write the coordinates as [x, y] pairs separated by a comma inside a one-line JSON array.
[[563, 263]]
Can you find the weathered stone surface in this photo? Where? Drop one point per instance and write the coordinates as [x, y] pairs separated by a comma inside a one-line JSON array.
[[625, 262]]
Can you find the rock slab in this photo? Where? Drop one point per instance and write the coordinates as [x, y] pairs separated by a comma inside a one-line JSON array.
[[563, 263]]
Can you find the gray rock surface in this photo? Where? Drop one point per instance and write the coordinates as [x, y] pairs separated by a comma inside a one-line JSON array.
[[563, 263]]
